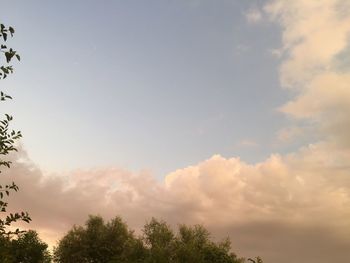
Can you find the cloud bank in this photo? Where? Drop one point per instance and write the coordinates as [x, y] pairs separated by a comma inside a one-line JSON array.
[[289, 208], [299, 200]]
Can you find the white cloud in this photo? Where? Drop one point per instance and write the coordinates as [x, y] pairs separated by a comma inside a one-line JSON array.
[[314, 34]]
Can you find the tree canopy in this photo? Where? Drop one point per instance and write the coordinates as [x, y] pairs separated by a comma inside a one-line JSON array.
[[97, 242], [26, 248], [112, 242]]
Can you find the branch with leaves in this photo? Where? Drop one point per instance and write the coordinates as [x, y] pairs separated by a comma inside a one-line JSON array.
[[7, 139]]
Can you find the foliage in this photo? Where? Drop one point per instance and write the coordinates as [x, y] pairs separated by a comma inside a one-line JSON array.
[[190, 244], [112, 242], [7, 136], [160, 242], [194, 245], [98, 242], [26, 248]]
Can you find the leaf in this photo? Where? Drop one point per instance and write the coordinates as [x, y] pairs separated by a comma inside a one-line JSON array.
[[12, 31], [8, 56]]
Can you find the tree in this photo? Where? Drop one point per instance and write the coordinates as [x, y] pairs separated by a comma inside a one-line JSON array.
[[160, 242], [98, 242], [191, 244], [8, 137], [26, 248], [194, 245]]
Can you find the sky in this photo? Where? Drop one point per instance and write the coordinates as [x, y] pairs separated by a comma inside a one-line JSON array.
[[232, 114], [128, 83]]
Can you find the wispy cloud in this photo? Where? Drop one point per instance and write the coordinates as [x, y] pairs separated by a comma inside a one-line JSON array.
[[253, 15], [241, 49], [289, 134], [314, 34], [248, 143], [276, 52]]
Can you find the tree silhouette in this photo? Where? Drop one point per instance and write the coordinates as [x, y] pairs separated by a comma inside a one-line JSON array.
[[8, 138]]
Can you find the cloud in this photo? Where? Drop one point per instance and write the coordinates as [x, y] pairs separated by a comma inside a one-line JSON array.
[[315, 34], [276, 52], [279, 196], [289, 134], [253, 15]]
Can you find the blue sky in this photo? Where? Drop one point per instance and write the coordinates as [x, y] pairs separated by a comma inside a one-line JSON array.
[[152, 85]]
